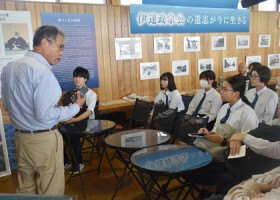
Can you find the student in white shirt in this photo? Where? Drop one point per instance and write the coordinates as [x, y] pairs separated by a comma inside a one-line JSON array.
[[263, 100], [169, 95], [234, 116], [210, 104]]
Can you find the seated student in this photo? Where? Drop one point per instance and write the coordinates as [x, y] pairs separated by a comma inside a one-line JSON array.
[[81, 76], [263, 100], [169, 95], [234, 116], [206, 102]]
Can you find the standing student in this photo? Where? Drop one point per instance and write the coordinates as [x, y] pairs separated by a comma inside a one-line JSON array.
[[30, 93], [206, 102], [81, 76], [169, 95], [263, 100]]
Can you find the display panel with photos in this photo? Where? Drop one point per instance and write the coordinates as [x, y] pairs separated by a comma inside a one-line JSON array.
[[264, 41], [192, 44], [219, 43], [149, 70], [128, 48], [163, 45], [242, 41], [273, 61], [180, 67], [205, 64], [229, 64], [251, 59]]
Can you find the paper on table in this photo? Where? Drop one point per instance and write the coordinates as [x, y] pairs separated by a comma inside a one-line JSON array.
[[242, 153]]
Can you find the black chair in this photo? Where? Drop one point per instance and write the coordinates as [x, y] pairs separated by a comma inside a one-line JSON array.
[[188, 124], [163, 118], [140, 114]]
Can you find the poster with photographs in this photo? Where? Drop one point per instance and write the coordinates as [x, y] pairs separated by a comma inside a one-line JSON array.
[[242, 41], [204, 64], [180, 67], [229, 64], [163, 45], [192, 44], [250, 59], [264, 41], [128, 48], [219, 43], [149, 70], [4, 159], [273, 61]]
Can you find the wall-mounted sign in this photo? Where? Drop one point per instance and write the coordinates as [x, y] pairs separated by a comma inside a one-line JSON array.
[[163, 19]]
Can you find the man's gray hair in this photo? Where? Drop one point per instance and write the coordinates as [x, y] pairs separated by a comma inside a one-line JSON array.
[[48, 32]]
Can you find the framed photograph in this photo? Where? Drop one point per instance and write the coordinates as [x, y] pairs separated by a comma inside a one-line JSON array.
[[128, 48], [273, 61], [229, 64], [250, 59], [134, 140], [205, 64], [192, 44], [219, 43], [264, 41], [242, 41], [4, 159], [180, 67], [163, 45], [149, 70]]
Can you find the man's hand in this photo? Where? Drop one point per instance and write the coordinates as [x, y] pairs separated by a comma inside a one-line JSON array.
[[234, 147], [214, 138], [203, 130], [80, 101]]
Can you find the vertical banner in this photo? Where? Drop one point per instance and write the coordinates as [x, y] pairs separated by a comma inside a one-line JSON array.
[[15, 36], [175, 19], [80, 47]]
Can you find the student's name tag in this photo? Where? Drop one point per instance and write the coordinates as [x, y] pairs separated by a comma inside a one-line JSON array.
[[242, 153]]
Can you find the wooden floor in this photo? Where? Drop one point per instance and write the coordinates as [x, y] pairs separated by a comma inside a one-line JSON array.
[[97, 186]]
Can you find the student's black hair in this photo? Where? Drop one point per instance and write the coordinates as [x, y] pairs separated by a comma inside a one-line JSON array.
[[171, 82], [81, 72], [254, 64], [209, 75], [238, 84], [264, 73], [48, 32]]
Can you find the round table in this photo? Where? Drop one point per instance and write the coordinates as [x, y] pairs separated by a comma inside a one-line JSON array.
[[173, 161]]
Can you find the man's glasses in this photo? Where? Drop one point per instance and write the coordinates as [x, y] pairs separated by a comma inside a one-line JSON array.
[[60, 47], [254, 76], [226, 89]]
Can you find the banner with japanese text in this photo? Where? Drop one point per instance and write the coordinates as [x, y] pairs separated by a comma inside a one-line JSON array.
[[80, 47], [175, 19]]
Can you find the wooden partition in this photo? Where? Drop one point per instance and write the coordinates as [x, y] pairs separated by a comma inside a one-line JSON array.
[[120, 78]]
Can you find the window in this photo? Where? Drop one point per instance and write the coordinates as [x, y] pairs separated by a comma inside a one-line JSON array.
[[128, 2], [268, 5]]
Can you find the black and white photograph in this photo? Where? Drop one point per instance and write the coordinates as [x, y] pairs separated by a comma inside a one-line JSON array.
[[180, 67], [4, 159], [134, 140], [250, 59], [128, 48], [229, 64], [204, 64], [149, 70], [273, 61], [264, 41], [163, 45], [192, 44], [242, 41], [219, 43]]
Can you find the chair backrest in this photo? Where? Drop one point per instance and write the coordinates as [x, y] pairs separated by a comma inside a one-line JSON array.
[[187, 100], [96, 112], [188, 124], [141, 113], [163, 118]]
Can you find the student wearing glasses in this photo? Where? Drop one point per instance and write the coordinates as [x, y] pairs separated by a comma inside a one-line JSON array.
[[234, 116], [169, 95], [263, 100], [206, 102]]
